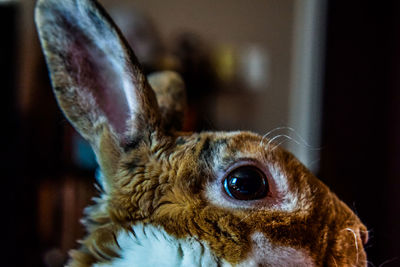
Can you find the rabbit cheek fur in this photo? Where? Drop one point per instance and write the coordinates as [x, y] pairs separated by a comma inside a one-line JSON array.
[[163, 196]]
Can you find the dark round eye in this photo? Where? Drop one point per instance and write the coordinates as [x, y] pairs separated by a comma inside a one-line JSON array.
[[246, 183]]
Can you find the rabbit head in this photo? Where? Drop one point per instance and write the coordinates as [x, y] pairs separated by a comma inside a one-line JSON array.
[[172, 198]]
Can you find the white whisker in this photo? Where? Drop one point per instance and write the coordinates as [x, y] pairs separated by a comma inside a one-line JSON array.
[[278, 145], [247, 216], [279, 136], [299, 141], [303, 141], [283, 141], [334, 261], [388, 261], [355, 240], [271, 131]]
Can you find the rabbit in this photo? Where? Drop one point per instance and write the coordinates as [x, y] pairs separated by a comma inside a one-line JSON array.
[[174, 198]]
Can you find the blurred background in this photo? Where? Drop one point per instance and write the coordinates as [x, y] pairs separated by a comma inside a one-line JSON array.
[[324, 73]]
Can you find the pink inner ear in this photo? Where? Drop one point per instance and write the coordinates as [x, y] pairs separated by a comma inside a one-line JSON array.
[[99, 77]]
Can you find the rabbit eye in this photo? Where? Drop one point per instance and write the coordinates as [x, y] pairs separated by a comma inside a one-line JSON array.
[[246, 183]]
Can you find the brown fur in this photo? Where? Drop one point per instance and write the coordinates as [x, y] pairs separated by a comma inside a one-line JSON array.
[[156, 175], [166, 188]]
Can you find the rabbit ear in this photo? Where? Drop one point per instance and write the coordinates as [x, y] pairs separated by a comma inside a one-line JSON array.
[[171, 98], [95, 75]]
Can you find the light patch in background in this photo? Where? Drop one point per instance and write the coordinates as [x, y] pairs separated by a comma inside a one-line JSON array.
[[306, 80], [255, 67]]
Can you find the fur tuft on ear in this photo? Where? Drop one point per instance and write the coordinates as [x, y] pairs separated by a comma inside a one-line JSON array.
[[95, 75]]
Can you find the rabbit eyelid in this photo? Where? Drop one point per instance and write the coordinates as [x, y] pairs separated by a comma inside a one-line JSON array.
[[224, 155]]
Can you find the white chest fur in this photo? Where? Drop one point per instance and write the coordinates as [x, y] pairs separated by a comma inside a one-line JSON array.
[[152, 246]]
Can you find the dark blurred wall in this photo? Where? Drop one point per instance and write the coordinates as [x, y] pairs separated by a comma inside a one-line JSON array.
[[9, 161], [361, 121]]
